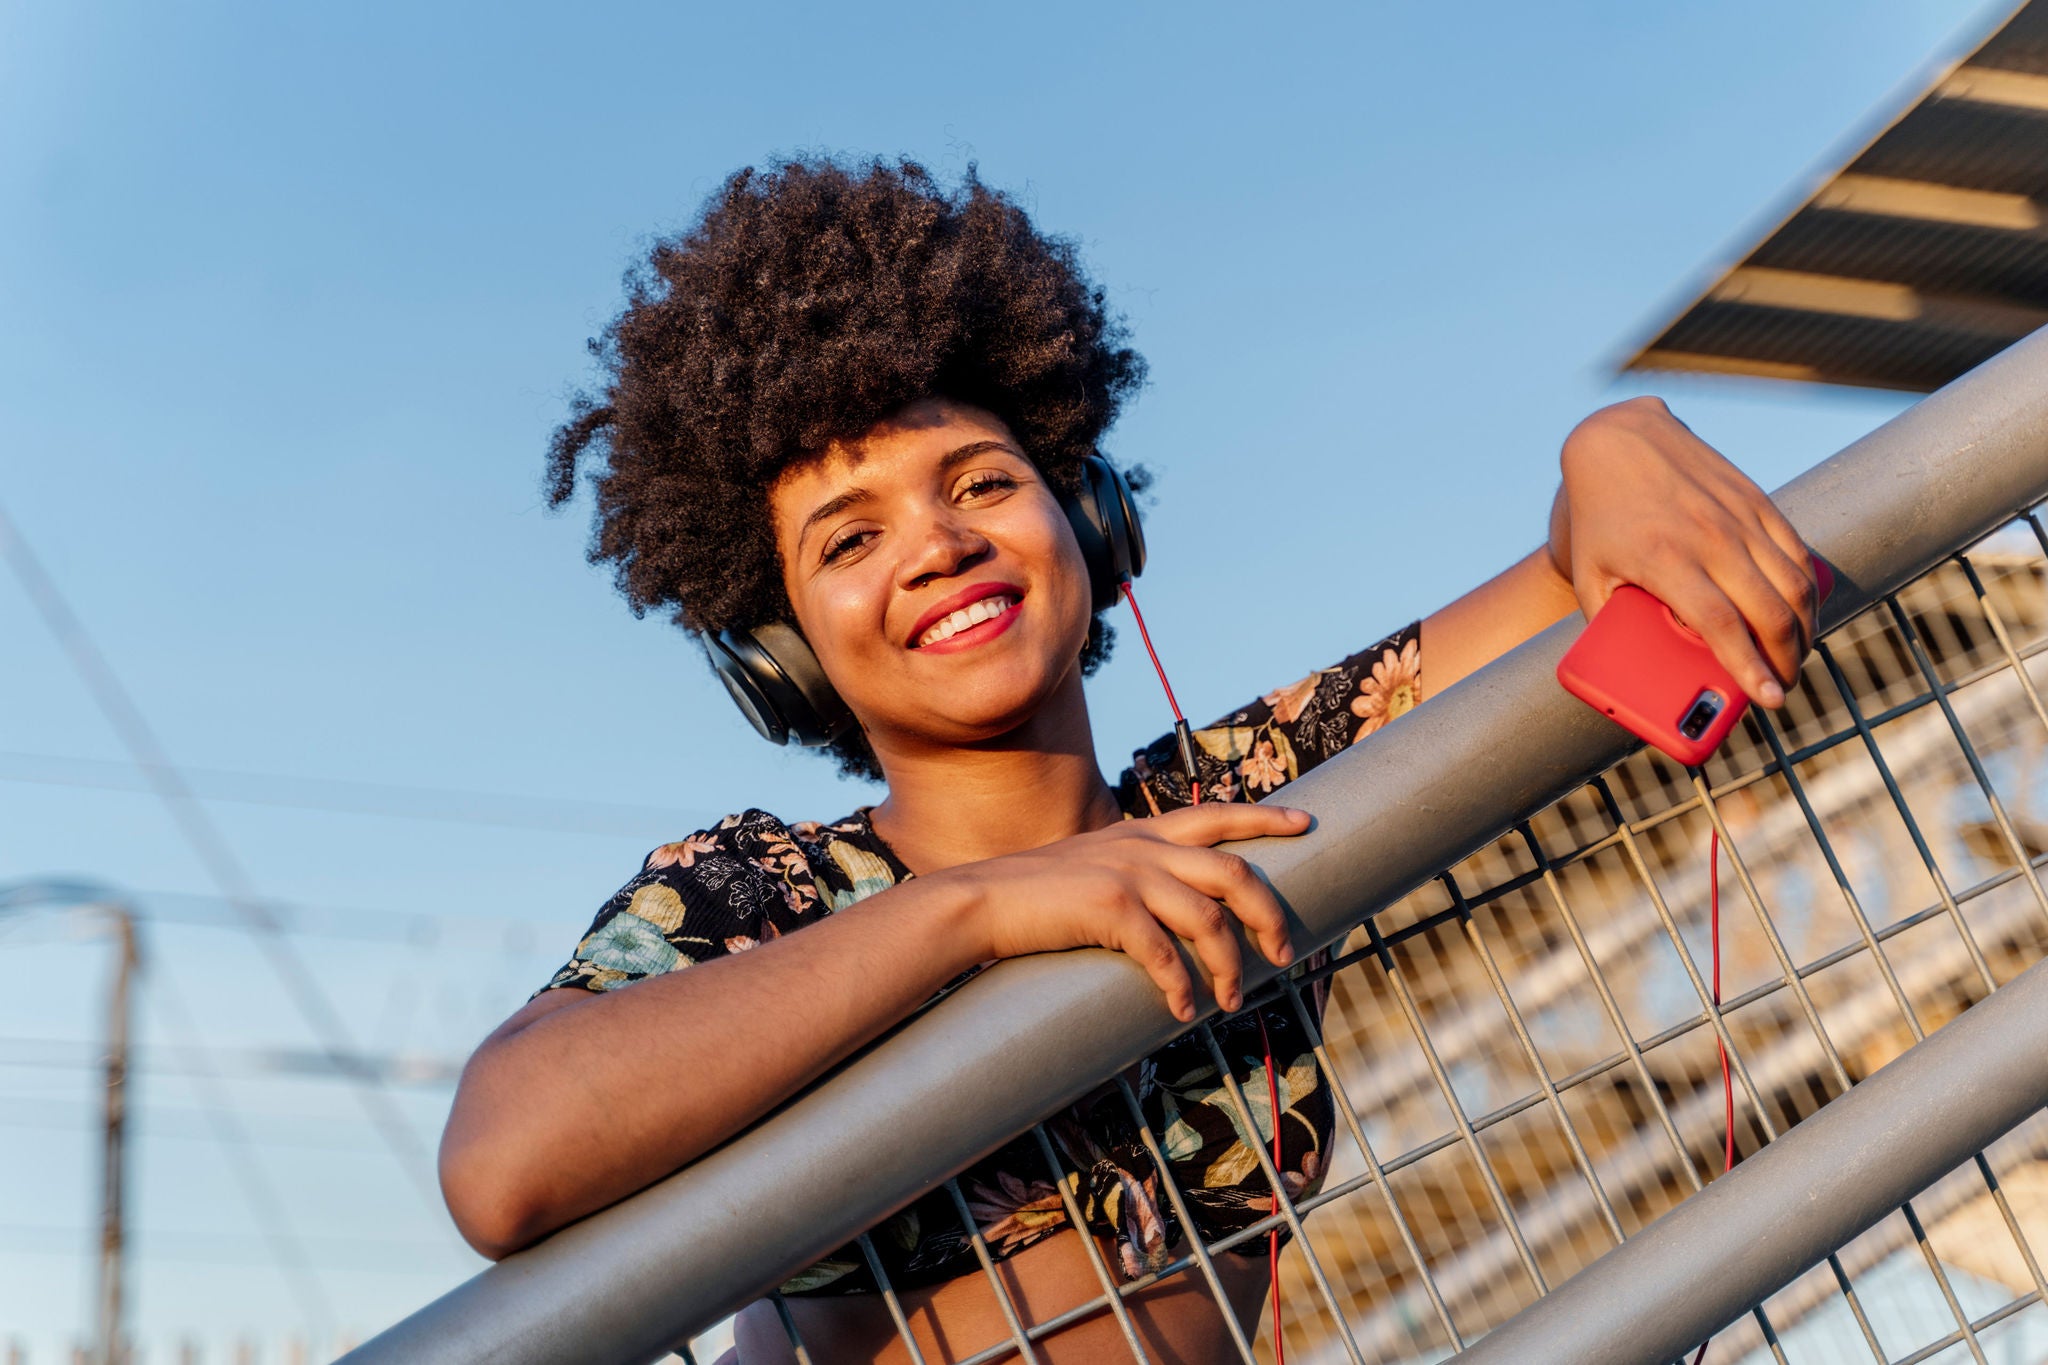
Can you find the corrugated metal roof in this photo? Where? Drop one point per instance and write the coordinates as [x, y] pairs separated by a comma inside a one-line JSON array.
[[1924, 255]]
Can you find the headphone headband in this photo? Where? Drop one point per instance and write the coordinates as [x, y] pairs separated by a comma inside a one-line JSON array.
[[776, 681]]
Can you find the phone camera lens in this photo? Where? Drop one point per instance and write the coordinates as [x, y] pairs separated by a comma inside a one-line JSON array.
[[1700, 714]]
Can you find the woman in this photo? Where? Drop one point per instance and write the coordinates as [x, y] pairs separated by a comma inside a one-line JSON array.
[[857, 403]]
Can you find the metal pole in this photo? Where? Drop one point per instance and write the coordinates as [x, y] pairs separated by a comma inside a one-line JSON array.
[[1758, 1228], [1035, 1033], [113, 1152], [109, 1308]]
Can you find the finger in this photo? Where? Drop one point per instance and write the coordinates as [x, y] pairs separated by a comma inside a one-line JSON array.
[[1782, 534], [1229, 879], [1738, 494], [1224, 821], [1205, 926], [1789, 562], [1701, 604], [1793, 580], [1146, 942], [1773, 623]]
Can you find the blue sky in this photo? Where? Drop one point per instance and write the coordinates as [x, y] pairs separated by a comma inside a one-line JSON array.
[[292, 296]]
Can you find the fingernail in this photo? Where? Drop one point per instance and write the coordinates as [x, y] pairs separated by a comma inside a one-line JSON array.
[[1234, 1001], [1770, 694], [1285, 956]]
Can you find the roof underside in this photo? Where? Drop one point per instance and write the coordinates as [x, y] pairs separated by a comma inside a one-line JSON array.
[[1925, 255]]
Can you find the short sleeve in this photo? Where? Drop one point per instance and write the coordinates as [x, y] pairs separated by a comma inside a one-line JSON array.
[[719, 891], [1261, 747]]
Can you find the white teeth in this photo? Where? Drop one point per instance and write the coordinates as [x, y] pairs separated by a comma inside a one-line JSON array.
[[987, 609]]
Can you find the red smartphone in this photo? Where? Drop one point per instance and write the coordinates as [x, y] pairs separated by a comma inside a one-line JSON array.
[[1643, 668]]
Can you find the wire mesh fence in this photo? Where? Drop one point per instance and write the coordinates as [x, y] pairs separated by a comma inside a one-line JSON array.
[[1532, 1040], [1523, 1053]]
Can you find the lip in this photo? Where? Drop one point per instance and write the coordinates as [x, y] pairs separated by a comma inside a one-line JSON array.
[[966, 597]]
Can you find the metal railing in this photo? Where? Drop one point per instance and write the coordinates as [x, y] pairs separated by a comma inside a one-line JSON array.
[[1521, 1036]]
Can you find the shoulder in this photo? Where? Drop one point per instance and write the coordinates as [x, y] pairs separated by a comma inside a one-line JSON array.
[[732, 836], [718, 891], [790, 869], [740, 859], [739, 871], [726, 889]]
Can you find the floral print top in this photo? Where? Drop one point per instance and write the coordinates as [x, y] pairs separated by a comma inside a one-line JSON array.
[[751, 878]]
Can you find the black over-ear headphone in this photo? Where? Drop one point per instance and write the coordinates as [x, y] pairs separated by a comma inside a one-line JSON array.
[[775, 678]]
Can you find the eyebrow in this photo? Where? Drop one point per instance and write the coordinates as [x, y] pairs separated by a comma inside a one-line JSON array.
[[855, 496], [830, 508]]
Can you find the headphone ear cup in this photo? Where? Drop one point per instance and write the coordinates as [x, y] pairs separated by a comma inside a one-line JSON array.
[[778, 684], [1127, 535], [1105, 522], [730, 652]]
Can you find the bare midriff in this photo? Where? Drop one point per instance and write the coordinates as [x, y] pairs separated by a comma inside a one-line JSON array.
[[1178, 1321]]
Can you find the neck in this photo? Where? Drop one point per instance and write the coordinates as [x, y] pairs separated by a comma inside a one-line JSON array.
[[1035, 785]]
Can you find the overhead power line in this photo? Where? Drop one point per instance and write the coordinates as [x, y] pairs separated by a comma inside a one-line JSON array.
[[155, 1123], [287, 1252], [383, 799], [413, 927], [222, 866], [398, 1068]]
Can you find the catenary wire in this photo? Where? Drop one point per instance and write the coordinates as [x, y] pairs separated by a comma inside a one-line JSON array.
[[1720, 1046], [243, 1158], [223, 867], [69, 1054], [197, 910], [386, 800]]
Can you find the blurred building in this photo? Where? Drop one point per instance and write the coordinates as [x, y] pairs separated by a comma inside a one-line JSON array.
[[1923, 255]]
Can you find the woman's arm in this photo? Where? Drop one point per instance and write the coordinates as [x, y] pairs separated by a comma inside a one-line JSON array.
[[1645, 501], [580, 1099], [1466, 635]]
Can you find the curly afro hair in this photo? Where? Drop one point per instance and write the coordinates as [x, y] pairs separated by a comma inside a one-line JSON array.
[[810, 301]]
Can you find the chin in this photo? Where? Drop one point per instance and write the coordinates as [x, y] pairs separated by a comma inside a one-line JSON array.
[[979, 705], [982, 727], [979, 720]]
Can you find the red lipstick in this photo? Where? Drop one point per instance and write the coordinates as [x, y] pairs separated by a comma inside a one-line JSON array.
[[967, 597]]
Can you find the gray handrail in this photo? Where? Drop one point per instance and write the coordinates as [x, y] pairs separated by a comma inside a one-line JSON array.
[[1033, 1034], [1814, 1190]]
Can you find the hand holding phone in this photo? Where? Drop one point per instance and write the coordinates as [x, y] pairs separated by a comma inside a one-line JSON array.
[[1642, 667]]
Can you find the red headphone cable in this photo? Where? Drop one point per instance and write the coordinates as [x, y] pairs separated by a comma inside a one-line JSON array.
[[1186, 740], [1273, 1237], [1727, 1081], [1181, 734]]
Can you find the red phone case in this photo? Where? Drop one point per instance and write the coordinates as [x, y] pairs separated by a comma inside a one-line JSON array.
[[1636, 664]]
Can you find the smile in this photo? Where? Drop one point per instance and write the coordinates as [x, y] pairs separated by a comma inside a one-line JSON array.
[[973, 614]]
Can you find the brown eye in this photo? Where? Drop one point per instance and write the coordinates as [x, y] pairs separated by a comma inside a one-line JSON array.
[[841, 545], [981, 485]]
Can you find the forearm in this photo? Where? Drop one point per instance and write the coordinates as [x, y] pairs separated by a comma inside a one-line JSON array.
[[573, 1110], [1465, 635]]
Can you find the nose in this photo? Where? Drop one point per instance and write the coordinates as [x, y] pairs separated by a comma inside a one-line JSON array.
[[944, 546]]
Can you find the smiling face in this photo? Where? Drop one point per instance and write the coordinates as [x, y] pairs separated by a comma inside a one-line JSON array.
[[933, 571]]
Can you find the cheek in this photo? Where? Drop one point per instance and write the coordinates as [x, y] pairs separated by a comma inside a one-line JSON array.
[[1068, 580], [841, 616]]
